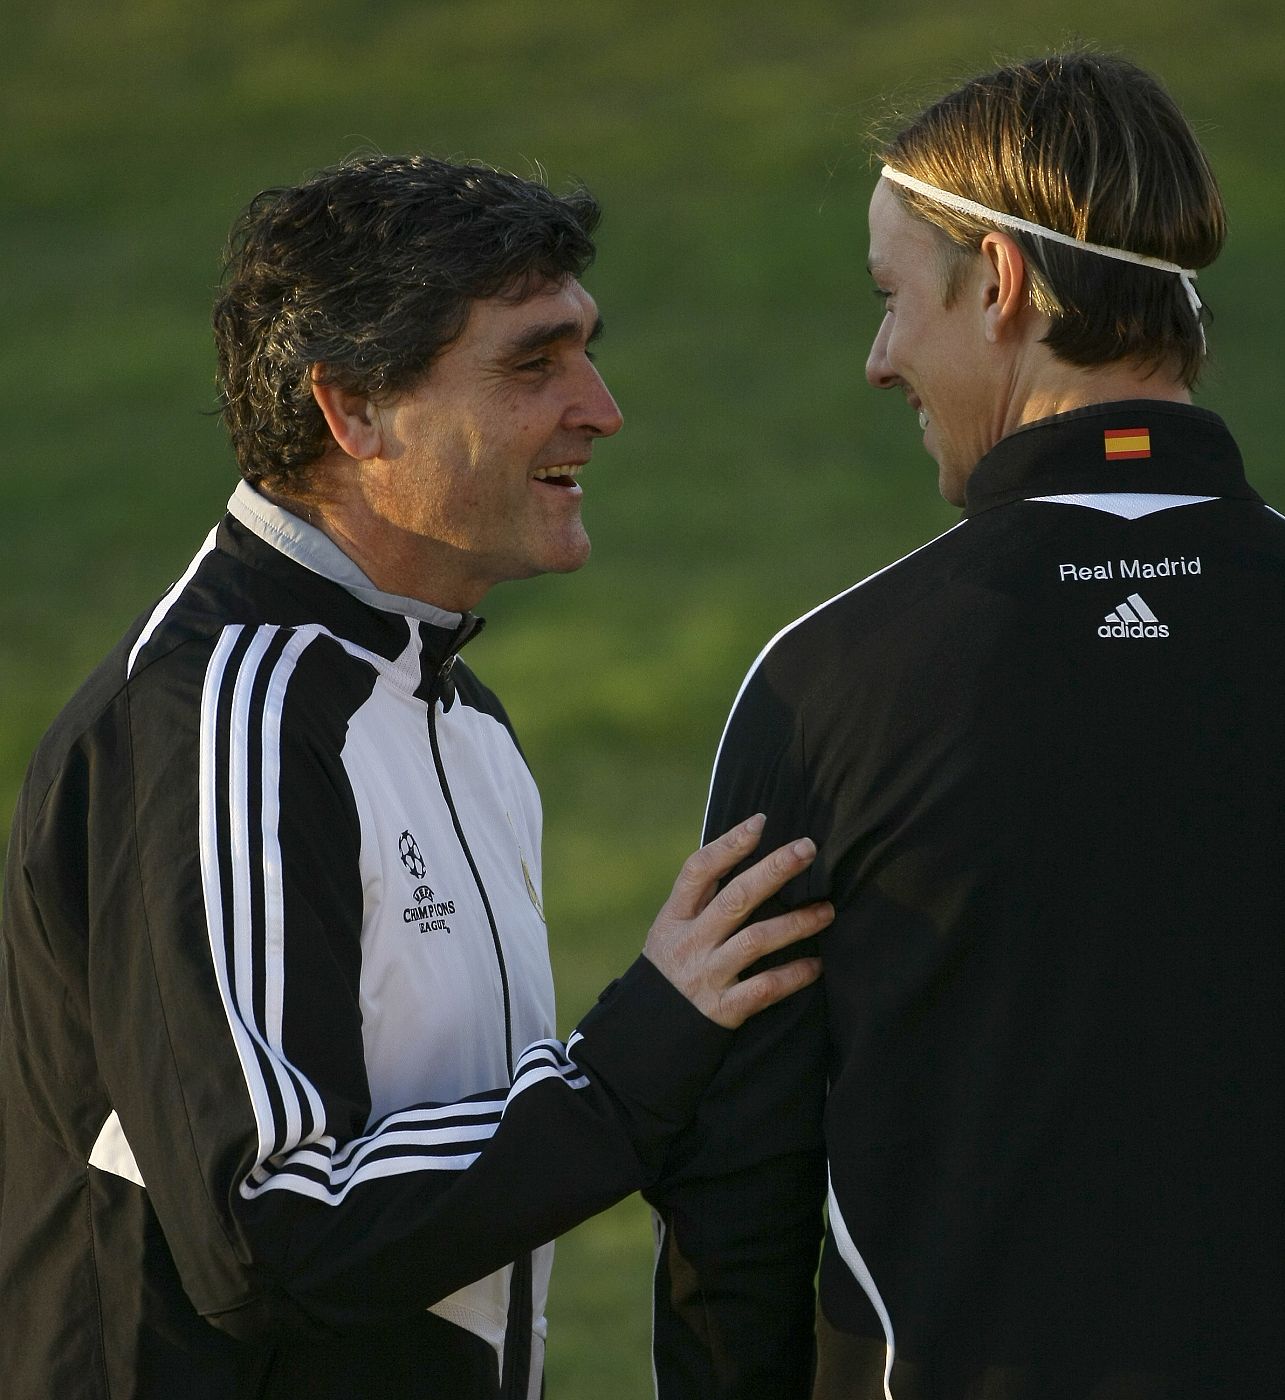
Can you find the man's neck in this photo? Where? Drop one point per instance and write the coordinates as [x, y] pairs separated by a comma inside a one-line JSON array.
[[1062, 388], [391, 558]]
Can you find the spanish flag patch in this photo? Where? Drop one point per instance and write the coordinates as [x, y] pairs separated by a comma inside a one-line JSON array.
[[1127, 442]]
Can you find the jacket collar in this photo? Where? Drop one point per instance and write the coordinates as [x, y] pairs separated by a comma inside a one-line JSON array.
[[1172, 449], [386, 629]]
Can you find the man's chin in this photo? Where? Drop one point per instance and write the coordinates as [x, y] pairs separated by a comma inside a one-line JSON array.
[[952, 483], [952, 494], [573, 555], [572, 562], [564, 560]]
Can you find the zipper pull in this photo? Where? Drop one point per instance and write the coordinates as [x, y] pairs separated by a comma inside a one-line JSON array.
[[445, 687]]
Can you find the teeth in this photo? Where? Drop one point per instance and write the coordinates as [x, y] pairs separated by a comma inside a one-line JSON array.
[[923, 419], [544, 473]]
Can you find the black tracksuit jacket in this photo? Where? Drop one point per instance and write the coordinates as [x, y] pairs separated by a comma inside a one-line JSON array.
[[277, 1066], [1044, 760]]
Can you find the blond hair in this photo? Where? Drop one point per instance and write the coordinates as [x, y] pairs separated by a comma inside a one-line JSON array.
[[1093, 147]]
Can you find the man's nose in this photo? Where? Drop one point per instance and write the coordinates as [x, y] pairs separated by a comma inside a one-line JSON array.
[[599, 410], [878, 371]]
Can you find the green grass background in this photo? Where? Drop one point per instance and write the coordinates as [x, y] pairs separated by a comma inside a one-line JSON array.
[[756, 475]]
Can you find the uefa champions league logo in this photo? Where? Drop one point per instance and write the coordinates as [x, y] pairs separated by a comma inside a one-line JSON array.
[[410, 854]]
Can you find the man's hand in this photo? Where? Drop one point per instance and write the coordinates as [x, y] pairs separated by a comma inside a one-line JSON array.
[[695, 940]]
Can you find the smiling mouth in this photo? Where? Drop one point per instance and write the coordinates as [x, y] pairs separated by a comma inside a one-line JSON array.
[[563, 475]]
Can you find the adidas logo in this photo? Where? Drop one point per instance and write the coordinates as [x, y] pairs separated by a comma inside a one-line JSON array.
[[1132, 619]]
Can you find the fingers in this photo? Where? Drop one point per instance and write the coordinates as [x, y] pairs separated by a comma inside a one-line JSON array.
[[739, 898], [703, 869], [694, 939], [756, 941], [745, 999], [740, 1000]]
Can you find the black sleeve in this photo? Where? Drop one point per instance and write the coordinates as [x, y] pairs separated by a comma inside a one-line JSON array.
[[241, 1091], [739, 1204]]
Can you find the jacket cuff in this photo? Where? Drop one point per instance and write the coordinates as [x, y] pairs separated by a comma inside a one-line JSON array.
[[651, 1049]]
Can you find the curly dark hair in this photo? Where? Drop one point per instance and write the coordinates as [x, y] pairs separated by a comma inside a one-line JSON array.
[[368, 269], [1092, 146]]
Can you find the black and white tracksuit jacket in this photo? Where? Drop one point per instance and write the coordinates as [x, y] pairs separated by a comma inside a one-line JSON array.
[[277, 1044], [1044, 760]]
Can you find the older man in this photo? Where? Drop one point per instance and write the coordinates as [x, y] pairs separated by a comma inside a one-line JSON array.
[[277, 1047], [1044, 762]]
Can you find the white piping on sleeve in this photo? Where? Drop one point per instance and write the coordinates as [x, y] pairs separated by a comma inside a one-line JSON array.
[[658, 1239], [161, 610], [852, 1258], [789, 627]]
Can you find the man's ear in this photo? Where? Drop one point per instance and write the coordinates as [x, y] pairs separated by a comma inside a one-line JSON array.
[[352, 419], [1004, 290]]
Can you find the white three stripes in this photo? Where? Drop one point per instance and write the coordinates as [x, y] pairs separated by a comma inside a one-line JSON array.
[[299, 1154]]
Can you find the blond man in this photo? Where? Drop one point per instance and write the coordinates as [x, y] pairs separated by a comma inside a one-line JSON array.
[[1043, 760]]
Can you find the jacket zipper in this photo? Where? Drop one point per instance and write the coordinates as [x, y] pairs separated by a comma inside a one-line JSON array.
[[515, 1382], [433, 697]]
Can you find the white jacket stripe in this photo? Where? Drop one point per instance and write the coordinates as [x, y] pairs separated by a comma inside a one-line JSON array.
[[161, 611], [295, 1150], [851, 1256], [211, 881]]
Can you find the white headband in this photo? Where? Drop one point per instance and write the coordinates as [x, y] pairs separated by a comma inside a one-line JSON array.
[[1186, 275]]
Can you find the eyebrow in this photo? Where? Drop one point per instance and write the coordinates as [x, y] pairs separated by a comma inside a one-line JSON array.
[[549, 332]]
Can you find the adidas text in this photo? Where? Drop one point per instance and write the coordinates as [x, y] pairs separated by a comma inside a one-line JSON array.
[[1132, 618], [1133, 629]]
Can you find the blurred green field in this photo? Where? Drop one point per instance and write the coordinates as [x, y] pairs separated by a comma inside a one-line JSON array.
[[756, 475]]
